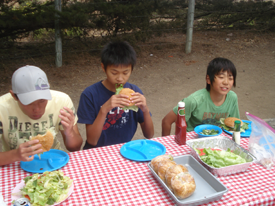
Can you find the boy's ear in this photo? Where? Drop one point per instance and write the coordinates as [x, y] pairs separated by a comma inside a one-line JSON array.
[[102, 67], [208, 79], [13, 95]]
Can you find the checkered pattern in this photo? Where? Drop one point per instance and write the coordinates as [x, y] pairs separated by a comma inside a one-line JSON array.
[[103, 177]]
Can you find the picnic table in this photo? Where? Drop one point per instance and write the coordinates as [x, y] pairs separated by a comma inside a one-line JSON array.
[[102, 176]]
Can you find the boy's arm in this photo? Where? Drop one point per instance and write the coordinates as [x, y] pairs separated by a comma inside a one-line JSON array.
[[73, 140], [147, 126], [167, 122], [93, 131], [25, 152]]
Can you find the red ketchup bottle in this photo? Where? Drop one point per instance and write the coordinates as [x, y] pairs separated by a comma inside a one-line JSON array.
[[180, 133]]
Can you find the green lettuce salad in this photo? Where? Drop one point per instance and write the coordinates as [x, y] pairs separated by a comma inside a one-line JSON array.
[[120, 87], [220, 158], [47, 188]]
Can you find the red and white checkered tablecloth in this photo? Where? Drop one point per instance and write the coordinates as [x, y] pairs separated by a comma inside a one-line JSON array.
[[103, 177]]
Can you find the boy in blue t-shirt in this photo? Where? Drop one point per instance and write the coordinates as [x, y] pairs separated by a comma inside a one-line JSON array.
[[212, 103], [101, 110]]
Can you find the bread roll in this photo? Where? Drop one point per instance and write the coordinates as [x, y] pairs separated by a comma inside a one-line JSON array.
[[155, 162], [183, 185], [163, 167], [128, 92], [173, 171], [229, 121], [45, 140]]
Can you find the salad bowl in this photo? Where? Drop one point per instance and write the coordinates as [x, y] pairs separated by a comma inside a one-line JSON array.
[[207, 130]]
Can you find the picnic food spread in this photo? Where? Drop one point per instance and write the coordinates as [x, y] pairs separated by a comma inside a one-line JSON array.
[[175, 176]]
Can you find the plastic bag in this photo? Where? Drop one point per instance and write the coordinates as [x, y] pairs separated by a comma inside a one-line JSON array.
[[262, 141]]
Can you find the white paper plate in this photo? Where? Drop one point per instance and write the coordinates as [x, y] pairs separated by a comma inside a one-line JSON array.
[[16, 192]]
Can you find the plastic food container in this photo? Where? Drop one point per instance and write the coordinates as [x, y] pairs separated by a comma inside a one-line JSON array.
[[223, 143], [208, 187]]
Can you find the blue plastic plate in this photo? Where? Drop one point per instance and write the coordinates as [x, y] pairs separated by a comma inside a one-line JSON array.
[[247, 132], [142, 150], [50, 161]]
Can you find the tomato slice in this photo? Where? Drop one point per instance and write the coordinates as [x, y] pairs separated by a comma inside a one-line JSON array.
[[27, 196], [202, 153]]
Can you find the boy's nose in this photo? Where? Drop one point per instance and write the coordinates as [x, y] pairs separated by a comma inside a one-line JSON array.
[[119, 78], [36, 108], [225, 80]]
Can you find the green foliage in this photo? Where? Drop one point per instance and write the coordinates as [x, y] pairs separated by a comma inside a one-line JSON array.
[[236, 15], [142, 19], [91, 17]]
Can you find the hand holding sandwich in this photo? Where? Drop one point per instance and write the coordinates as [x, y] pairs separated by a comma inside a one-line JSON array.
[[25, 152], [139, 100]]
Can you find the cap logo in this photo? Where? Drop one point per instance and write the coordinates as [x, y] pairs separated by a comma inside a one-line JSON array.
[[41, 84]]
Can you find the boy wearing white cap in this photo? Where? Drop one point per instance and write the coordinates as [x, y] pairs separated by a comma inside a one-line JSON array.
[[29, 109]]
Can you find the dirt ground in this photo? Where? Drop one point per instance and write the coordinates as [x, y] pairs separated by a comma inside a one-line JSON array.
[[166, 74]]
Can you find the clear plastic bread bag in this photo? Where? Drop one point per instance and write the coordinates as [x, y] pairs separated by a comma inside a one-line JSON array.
[[262, 141]]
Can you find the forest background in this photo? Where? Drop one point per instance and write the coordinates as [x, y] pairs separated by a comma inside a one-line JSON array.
[[242, 31]]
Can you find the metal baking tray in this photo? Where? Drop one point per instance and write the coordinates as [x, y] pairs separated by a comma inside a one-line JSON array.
[[224, 143], [208, 187]]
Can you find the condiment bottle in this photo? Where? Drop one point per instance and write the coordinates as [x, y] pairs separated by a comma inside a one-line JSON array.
[[237, 134], [180, 130]]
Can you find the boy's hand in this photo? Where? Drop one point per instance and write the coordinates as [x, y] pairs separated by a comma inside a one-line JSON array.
[[27, 150], [67, 120], [140, 101], [119, 100]]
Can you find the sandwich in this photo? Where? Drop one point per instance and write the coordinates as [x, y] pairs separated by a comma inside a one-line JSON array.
[[46, 140], [128, 92], [228, 124], [229, 121]]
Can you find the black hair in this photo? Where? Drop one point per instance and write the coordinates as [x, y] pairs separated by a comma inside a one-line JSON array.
[[118, 53], [216, 66]]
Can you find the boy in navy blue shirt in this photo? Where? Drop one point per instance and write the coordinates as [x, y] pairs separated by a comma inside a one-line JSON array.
[[101, 110]]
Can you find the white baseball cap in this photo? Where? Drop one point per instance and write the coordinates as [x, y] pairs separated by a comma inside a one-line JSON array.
[[30, 83]]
